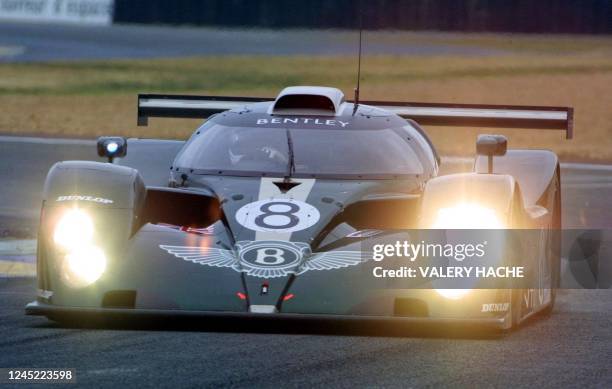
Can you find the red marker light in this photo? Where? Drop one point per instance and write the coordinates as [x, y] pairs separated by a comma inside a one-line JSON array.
[[241, 296], [288, 296]]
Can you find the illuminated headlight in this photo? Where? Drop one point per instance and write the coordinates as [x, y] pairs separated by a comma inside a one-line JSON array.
[[84, 266], [82, 262], [467, 216], [74, 229], [453, 294], [112, 147]]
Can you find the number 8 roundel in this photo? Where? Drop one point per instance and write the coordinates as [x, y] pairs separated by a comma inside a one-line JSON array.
[[278, 215]]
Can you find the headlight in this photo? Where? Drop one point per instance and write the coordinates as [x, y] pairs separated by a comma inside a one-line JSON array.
[[84, 266], [82, 262], [74, 229], [467, 216], [453, 294]]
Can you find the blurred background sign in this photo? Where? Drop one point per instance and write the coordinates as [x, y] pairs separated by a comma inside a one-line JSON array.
[[542, 16], [99, 12], [528, 16]]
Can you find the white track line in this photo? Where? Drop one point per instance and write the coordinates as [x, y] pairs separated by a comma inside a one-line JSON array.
[[11, 51], [46, 141], [586, 166]]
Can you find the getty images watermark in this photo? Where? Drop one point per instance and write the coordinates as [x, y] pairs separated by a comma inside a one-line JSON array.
[[462, 253], [512, 258]]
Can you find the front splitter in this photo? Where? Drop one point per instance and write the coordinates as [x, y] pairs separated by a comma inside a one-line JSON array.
[[37, 308]]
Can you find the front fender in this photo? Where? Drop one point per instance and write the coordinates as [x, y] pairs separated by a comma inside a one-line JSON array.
[[110, 195]]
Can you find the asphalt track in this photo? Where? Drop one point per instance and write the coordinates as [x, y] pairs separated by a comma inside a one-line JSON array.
[[28, 42], [571, 348]]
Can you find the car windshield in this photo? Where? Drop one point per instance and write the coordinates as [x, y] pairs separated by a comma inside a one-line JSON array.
[[244, 150]]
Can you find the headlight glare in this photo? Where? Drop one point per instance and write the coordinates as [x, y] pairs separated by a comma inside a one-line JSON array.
[[84, 266], [82, 263], [112, 147], [467, 216], [74, 229], [453, 294]]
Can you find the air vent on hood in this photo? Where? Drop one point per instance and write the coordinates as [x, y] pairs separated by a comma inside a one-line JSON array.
[[285, 186], [308, 100]]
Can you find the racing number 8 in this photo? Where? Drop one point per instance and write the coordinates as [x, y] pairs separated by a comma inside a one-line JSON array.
[[267, 213]]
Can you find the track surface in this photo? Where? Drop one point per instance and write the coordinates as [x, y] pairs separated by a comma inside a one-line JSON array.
[[573, 347], [52, 42]]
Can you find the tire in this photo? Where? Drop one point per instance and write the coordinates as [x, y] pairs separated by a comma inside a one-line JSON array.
[[555, 254], [515, 308], [515, 293]]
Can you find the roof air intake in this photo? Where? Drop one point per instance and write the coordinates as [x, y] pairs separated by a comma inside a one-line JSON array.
[[308, 100]]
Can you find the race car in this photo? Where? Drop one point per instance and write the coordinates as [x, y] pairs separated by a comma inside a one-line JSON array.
[[266, 209]]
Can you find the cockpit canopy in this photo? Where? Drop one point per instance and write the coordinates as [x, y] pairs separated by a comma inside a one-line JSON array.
[[264, 151]]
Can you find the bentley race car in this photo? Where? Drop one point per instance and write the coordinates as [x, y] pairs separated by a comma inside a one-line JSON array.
[[268, 206]]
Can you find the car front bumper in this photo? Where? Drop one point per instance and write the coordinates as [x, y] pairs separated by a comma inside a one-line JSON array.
[[74, 314]]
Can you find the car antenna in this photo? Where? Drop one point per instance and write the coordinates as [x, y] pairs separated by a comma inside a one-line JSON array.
[[356, 103]]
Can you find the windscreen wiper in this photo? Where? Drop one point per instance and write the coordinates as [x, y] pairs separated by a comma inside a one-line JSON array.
[[291, 162]]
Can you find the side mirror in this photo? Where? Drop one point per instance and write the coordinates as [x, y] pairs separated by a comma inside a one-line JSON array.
[[112, 147], [491, 145]]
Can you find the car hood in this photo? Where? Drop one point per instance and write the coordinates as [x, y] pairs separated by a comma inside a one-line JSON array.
[[271, 231], [301, 210]]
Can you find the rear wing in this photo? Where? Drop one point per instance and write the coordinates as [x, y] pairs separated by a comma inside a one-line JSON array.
[[188, 107], [434, 114]]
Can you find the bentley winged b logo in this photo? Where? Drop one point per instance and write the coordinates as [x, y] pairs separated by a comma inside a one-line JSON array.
[[267, 259]]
